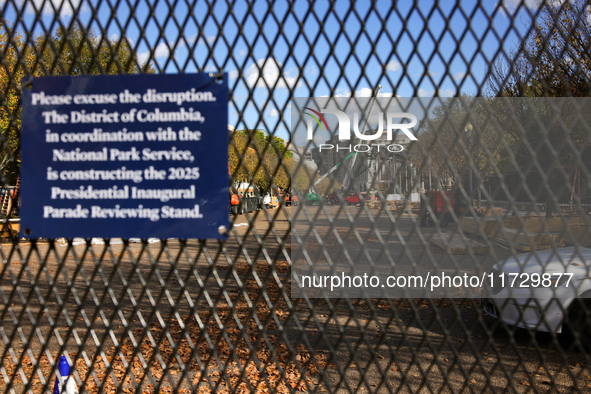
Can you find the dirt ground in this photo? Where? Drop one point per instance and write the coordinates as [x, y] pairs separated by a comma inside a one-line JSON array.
[[178, 315]]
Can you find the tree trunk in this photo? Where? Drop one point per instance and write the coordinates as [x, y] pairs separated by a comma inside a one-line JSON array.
[[577, 175], [550, 207], [550, 204]]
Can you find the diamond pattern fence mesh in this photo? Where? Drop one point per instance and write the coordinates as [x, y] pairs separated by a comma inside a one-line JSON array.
[[491, 186]]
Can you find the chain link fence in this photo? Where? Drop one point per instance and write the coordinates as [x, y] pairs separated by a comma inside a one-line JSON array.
[[492, 183]]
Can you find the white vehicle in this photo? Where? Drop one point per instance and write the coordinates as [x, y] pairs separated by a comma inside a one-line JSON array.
[[549, 290]]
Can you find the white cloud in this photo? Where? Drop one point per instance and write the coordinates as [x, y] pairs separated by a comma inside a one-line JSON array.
[[161, 50], [114, 37], [267, 72], [209, 39], [459, 75], [511, 6], [426, 93], [143, 57], [441, 92], [190, 39], [393, 65], [273, 113], [233, 74], [312, 70], [362, 92], [51, 6], [241, 53], [515, 3], [446, 92], [342, 92]]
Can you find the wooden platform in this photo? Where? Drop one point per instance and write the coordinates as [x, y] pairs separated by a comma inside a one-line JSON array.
[[521, 247], [457, 245], [492, 212], [518, 236], [526, 241], [535, 224], [533, 238], [11, 230], [577, 235], [489, 225]]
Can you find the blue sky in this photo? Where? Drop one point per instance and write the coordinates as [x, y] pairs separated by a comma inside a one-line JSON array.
[[410, 50]]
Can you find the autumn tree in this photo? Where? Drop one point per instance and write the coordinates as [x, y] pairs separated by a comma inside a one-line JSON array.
[[553, 61], [14, 61], [446, 149], [75, 51], [326, 186], [256, 157], [303, 178]]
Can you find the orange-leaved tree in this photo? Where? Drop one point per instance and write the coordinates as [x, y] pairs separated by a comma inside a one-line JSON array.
[[67, 52]]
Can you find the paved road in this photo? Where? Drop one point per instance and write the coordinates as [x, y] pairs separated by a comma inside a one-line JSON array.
[[357, 242], [373, 345]]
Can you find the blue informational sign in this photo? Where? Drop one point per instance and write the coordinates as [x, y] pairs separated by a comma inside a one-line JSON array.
[[125, 156]]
